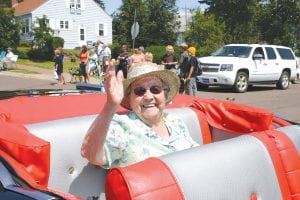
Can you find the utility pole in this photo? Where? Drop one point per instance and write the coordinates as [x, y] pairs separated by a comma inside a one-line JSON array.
[[134, 29]]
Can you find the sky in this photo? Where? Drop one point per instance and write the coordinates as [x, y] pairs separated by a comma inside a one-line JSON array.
[[113, 5]]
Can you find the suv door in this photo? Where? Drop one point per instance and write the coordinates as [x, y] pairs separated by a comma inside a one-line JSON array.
[[259, 72], [273, 67]]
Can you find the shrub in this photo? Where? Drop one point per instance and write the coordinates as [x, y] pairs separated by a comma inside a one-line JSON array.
[[58, 42], [24, 43], [22, 52]]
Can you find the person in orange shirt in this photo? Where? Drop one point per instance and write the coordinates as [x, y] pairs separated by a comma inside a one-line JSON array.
[[84, 58]]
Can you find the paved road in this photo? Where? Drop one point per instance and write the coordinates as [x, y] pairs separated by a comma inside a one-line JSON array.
[[21, 82], [284, 103]]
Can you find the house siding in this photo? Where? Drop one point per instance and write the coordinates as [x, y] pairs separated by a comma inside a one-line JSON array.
[[91, 14]]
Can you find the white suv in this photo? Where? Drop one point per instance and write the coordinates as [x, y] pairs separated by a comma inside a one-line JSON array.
[[241, 65]]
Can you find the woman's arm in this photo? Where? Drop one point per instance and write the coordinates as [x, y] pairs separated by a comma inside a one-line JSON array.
[[93, 143]]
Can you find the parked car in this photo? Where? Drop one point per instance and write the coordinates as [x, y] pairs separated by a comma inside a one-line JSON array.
[[241, 65]]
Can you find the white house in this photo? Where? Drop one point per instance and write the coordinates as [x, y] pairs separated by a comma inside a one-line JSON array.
[[78, 22]]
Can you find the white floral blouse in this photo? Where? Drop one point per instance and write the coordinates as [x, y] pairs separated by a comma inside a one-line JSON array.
[[129, 140]]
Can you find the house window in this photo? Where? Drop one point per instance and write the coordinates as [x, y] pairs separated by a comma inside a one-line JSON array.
[[101, 30], [75, 7], [78, 4], [26, 26], [72, 4], [82, 34], [64, 24]]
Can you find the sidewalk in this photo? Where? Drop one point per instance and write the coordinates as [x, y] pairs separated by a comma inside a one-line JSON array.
[[44, 74]]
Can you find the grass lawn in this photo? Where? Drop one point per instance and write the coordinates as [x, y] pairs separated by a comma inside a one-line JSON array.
[[23, 71], [46, 64]]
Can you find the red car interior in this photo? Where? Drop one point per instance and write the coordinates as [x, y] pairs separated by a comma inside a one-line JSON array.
[[33, 131]]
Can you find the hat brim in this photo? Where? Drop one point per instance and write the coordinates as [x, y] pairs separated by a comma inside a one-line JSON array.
[[168, 77]]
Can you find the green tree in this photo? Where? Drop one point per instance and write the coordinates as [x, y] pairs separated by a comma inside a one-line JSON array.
[[205, 33], [42, 43], [101, 3], [278, 27], [162, 25], [124, 19], [10, 28], [240, 18], [157, 20]]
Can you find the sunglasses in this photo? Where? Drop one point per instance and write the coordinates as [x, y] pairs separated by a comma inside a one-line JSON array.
[[154, 89]]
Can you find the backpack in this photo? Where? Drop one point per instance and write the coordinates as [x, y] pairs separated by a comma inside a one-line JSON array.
[[198, 70]]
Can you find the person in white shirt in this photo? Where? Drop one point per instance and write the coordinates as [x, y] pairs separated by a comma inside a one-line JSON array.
[[6, 59], [106, 53]]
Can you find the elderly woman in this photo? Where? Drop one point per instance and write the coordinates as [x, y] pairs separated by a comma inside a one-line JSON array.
[[146, 131]]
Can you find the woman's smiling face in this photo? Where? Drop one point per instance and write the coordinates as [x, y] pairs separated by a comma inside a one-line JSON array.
[[147, 99]]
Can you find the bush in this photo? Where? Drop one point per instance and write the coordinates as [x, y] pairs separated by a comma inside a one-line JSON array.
[[42, 54], [58, 42], [22, 52], [24, 43], [115, 50]]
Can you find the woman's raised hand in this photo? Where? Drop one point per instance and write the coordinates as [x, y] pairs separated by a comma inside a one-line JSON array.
[[114, 85]]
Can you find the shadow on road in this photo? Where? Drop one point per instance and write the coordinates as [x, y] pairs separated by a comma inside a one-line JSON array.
[[256, 88]]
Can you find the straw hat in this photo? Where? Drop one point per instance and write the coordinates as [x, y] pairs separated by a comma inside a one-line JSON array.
[[147, 69]]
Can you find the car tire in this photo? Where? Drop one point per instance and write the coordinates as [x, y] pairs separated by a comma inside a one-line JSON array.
[[241, 82], [284, 81]]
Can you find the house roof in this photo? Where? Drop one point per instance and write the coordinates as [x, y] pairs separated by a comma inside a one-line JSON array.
[[26, 6]]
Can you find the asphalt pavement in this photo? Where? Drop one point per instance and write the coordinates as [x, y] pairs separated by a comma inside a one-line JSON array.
[[284, 103], [45, 76]]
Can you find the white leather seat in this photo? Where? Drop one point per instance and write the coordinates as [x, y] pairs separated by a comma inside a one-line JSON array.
[[70, 172]]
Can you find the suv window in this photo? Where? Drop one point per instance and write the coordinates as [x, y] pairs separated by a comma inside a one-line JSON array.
[[259, 50], [271, 53], [285, 54]]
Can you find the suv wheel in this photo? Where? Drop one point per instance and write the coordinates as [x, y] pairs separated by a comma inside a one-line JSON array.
[[284, 81], [241, 82]]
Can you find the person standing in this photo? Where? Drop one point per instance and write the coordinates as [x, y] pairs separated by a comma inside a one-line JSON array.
[[84, 58], [59, 65], [190, 79], [148, 57], [100, 53], [183, 65], [137, 57], [123, 61], [106, 53], [141, 50], [169, 60]]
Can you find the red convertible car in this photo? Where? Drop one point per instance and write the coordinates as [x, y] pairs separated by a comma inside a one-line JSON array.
[[245, 153]]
